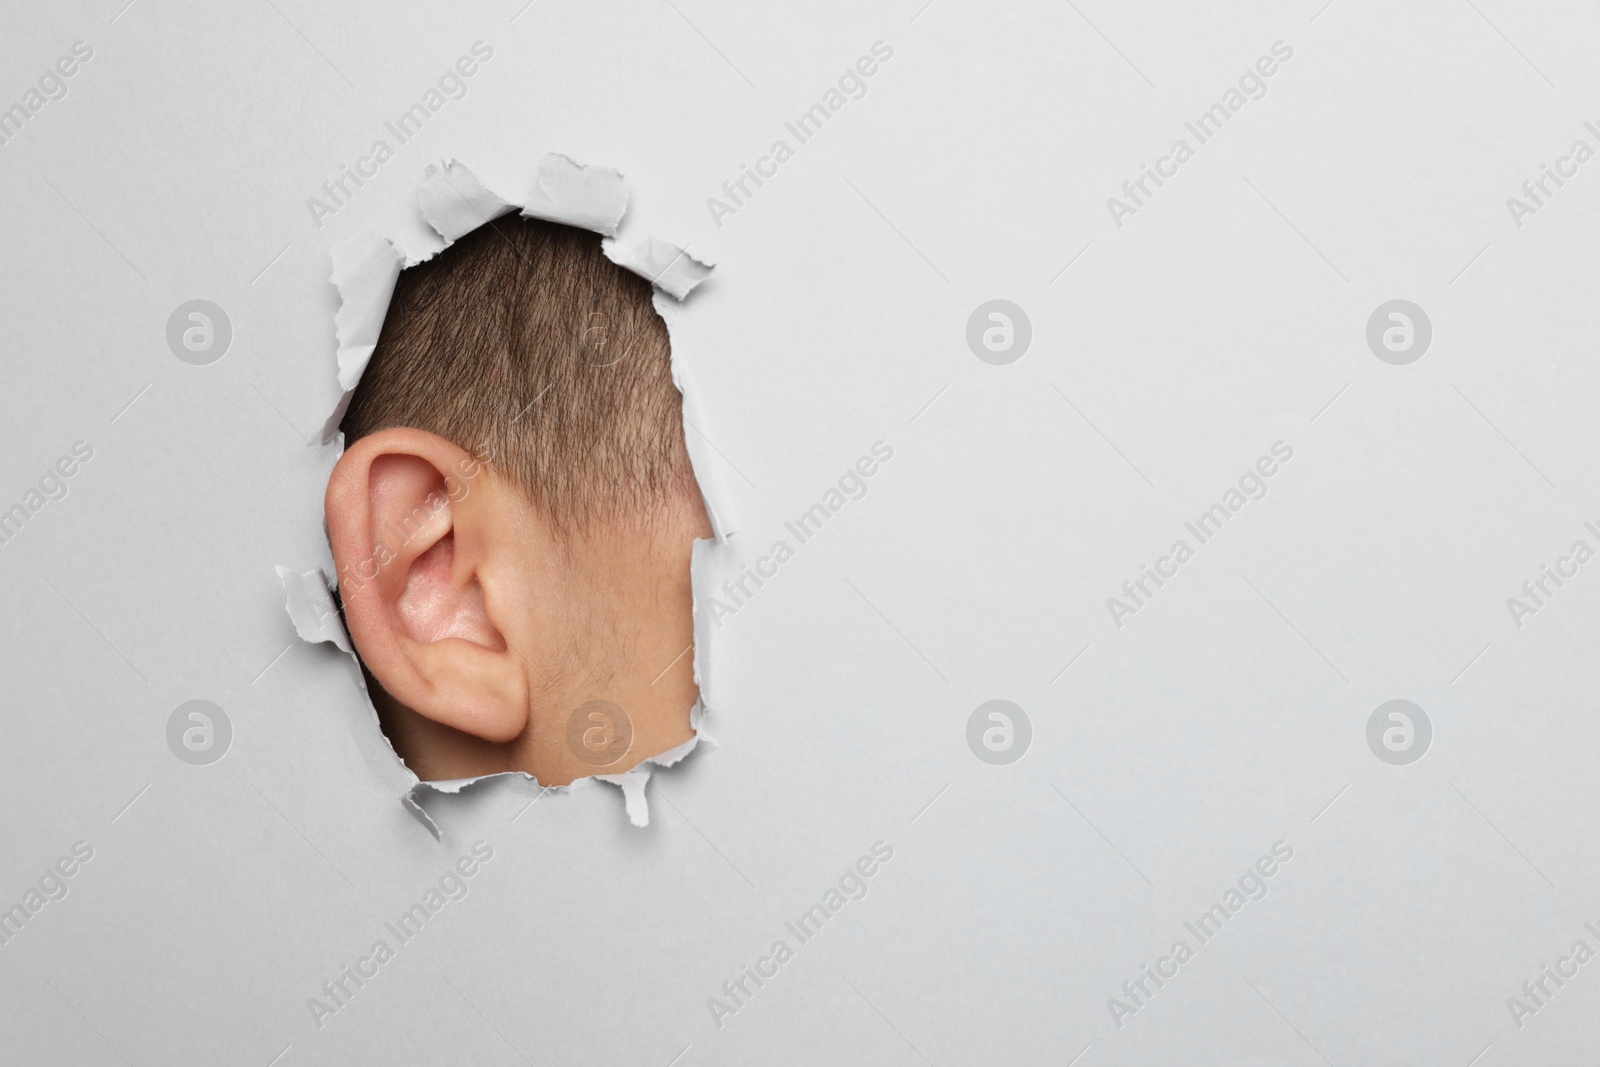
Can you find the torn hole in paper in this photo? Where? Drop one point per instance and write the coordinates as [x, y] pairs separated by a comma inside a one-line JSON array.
[[421, 502]]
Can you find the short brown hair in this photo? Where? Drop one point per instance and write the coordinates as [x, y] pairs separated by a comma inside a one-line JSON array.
[[522, 343]]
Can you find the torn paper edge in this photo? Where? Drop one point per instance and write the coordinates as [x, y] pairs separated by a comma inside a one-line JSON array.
[[708, 474], [632, 782], [666, 266], [365, 270], [364, 273], [450, 196], [454, 202], [420, 813], [701, 564], [308, 598], [574, 194]]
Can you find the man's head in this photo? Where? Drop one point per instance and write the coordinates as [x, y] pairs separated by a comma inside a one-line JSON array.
[[513, 516]]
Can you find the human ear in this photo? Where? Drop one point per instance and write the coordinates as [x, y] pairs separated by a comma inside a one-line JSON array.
[[410, 524]]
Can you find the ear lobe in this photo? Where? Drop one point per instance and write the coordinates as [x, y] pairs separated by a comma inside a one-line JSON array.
[[411, 545]]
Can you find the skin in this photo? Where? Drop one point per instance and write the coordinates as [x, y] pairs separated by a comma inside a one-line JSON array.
[[487, 624]]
